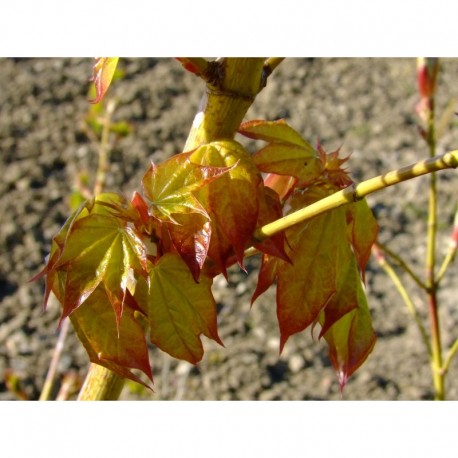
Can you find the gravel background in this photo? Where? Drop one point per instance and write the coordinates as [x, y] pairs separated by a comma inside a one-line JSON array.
[[366, 105]]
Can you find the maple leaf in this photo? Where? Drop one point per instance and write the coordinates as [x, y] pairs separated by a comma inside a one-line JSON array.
[[178, 309], [231, 201], [116, 346], [273, 132], [190, 238], [305, 286], [351, 339], [172, 188], [283, 185], [95, 247], [171, 185], [103, 71], [362, 230], [287, 153], [323, 281], [270, 209], [299, 162]]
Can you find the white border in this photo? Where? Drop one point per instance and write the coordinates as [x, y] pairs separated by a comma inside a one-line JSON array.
[[229, 429], [324, 28]]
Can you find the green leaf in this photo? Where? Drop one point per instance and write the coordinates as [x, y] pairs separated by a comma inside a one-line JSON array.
[[100, 249], [121, 128], [179, 309], [103, 72], [116, 346], [299, 162], [171, 185], [95, 247], [273, 132]]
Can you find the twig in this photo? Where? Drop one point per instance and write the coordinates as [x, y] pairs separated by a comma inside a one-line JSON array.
[[450, 355], [402, 264], [385, 265], [269, 66], [450, 256], [355, 193], [52, 371], [103, 149]]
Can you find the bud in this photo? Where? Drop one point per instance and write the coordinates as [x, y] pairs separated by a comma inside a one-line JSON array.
[[427, 69]]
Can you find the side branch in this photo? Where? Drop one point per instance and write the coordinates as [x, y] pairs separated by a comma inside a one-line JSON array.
[[269, 66], [355, 193]]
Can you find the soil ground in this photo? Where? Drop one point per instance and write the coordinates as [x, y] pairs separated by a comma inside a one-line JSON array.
[[366, 106]]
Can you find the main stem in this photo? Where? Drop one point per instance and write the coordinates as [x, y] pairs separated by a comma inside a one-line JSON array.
[[101, 384], [226, 101]]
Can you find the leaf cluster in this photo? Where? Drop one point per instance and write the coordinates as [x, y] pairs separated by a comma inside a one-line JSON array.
[[132, 271]]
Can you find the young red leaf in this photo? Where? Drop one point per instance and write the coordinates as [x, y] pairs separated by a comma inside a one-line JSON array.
[[323, 284], [116, 346], [348, 284], [283, 185], [232, 201], [362, 232], [306, 286], [191, 240], [266, 276], [179, 309], [270, 210], [103, 72], [351, 339], [333, 173], [273, 132]]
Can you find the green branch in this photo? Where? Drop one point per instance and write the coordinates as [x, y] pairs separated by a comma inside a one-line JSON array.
[[232, 91], [450, 355], [269, 66], [386, 266], [354, 193], [450, 256]]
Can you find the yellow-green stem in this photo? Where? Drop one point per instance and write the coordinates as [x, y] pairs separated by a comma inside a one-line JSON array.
[[451, 353], [101, 384], [355, 193], [226, 101], [398, 259], [450, 256], [385, 265]]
